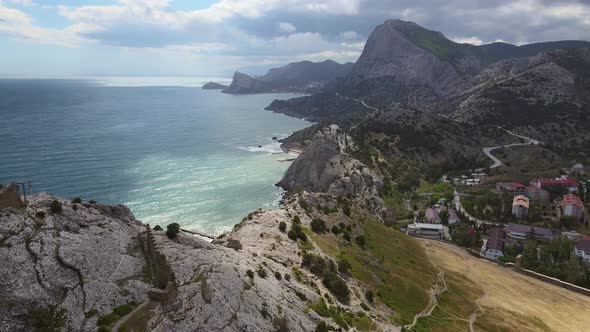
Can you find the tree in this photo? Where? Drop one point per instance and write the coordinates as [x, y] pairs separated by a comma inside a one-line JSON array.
[[282, 226], [444, 217], [360, 240], [318, 225], [56, 206], [172, 230], [48, 319]]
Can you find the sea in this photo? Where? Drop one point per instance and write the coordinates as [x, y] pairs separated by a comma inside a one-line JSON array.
[[164, 147]]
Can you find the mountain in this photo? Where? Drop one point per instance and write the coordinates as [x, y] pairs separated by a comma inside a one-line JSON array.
[[304, 76], [403, 62], [213, 86]]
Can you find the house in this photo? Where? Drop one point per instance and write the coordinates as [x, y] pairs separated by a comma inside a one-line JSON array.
[[571, 206], [564, 181], [582, 249], [520, 207], [493, 247], [432, 216], [536, 194], [437, 231], [523, 232], [510, 188], [453, 218]]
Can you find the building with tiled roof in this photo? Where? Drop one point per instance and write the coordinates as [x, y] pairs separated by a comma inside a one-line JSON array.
[[520, 207], [572, 206], [522, 232], [510, 188], [564, 181], [493, 247]]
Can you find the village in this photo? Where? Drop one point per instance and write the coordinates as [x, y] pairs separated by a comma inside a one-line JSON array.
[[545, 221]]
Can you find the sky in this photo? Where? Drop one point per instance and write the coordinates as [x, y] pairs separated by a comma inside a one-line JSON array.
[[61, 38]]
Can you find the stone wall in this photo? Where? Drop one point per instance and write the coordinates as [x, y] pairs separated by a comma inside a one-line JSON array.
[[162, 274], [556, 282], [10, 197]]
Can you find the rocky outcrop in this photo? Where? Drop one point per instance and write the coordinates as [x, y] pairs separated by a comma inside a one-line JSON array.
[[10, 197], [80, 259], [243, 83], [213, 86], [304, 76], [325, 166]]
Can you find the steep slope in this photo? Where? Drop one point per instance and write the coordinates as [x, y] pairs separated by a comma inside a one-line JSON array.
[[545, 97], [403, 62], [304, 76]]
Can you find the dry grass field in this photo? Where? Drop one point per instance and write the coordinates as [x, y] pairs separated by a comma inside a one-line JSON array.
[[510, 301]]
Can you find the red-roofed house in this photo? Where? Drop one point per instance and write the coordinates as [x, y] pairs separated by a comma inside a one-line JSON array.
[[565, 181], [582, 249], [571, 206], [510, 188], [493, 248], [520, 206]]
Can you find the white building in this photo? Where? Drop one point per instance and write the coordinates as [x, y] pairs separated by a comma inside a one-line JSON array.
[[437, 231]]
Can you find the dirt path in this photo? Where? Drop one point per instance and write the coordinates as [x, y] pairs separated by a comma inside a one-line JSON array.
[[479, 312], [123, 319], [434, 293], [508, 291]]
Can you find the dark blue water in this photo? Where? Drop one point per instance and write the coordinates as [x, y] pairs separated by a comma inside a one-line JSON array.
[[173, 154]]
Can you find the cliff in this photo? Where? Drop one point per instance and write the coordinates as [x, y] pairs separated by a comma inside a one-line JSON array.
[[213, 86], [304, 76]]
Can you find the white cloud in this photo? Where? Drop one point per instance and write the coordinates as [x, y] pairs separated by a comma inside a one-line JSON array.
[[467, 40], [287, 27], [349, 35]]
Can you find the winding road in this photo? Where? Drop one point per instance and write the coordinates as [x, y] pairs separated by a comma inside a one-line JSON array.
[[497, 162], [358, 101]]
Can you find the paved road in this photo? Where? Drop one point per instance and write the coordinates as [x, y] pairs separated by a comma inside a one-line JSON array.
[[460, 208], [358, 101], [497, 162]]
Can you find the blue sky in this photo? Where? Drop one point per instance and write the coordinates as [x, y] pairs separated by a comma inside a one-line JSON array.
[[57, 38]]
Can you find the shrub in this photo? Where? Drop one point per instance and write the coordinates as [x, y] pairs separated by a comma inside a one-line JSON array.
[[77, 200], [48, 319], [337, 287], [322, 327], [158, 228], [172, 230], [346, 210], [287, 277], [92, 201], [281, 324], [40, 214], [250, 274], [360, 240], [261, 272], [369, 296], [296, 232], [301, 296], [343, 265], [314, 263], [234, 244], [296, 220], [336, 230], [283, 226], [346, 236], [365, 306], [56, 206], [75, 207], [278, 275], [318, 225]]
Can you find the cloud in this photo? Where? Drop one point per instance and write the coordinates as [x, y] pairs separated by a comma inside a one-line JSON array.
[[467, 40], [286, 27]]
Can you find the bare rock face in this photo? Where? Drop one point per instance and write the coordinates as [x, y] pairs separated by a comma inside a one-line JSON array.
[[325, 166], [388, 53], [9, 196], [243, 83], [80, 259]]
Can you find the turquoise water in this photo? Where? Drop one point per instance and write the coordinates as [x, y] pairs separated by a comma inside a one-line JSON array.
[[171, 153]]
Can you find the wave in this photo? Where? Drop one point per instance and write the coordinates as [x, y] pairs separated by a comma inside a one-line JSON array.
[[272, 148]]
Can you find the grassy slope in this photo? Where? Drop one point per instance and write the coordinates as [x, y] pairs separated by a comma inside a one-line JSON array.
[[393, 265]]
